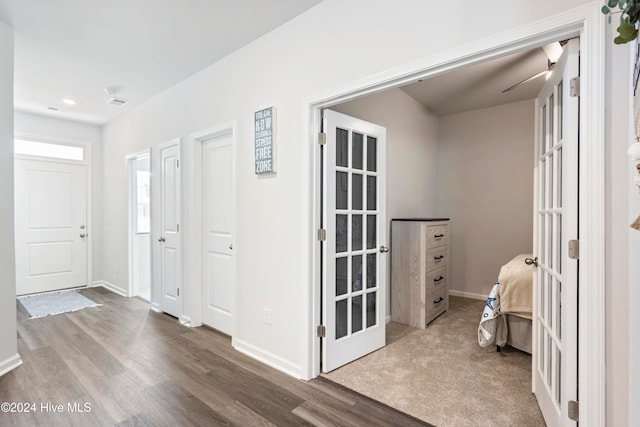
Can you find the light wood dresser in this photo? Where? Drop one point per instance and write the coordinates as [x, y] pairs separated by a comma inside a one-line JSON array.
[[419, 270]]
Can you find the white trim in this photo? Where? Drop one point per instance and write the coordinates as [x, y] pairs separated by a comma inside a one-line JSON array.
[[185, 321], [591, 275], [194, 201], [585, 21], [472, 295], [268, 358], [10, 364], [110, 286], [154, 306]]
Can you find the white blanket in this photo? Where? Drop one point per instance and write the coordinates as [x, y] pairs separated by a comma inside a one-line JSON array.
[[491, 320], [516, 292]]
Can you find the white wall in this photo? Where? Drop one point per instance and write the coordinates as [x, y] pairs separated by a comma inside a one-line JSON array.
[[8, 343], [486, 188], [307, 57], [412, 154], [61, 130]]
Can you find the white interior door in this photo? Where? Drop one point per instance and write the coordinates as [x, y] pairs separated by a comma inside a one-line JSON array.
[[169, 239], [218, 274], [354, 273], [555, 323], [50, 225]]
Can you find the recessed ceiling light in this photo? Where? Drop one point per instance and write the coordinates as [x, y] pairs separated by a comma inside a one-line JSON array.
[[69, 101]]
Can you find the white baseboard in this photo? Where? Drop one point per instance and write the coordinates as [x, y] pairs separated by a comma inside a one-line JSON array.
[[10, 364], [185, 320], [155, 307], [108, 285], [267, 358], [471, 295]]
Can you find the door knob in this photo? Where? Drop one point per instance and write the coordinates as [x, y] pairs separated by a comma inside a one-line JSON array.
[[82, 227], [82, 235], [161, 239], [384, 249], [531, 261], [231, 246]]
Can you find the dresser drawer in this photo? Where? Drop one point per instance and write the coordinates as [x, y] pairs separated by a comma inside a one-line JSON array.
[[436, 279], [437, 302], [437, 235], [437, 257]]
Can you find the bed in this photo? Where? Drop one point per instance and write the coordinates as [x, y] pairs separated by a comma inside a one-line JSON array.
[[506, 318]]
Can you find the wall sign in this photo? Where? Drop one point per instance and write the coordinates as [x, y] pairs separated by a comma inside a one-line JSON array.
[[265, 140]]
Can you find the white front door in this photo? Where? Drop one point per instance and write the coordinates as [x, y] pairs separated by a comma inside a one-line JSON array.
[[218, 224], [354, 273], [169, 235], [555, 322], [50, 225]]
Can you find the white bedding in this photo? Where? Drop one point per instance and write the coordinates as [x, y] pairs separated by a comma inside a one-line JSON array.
[[516, 290]]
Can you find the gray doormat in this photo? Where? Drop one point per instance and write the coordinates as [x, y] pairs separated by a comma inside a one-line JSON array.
[[41, 305]]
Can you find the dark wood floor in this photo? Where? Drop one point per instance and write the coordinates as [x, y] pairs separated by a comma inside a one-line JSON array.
[[134, 367]]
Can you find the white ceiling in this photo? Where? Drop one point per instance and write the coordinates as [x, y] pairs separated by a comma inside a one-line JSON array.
[[481, 85], [76, 48]]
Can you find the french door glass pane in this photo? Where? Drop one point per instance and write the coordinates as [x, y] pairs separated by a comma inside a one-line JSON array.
[[551, 122], [560, 118], [356, 273], [371, 309], [371, 270], [371, 232], [356, 202], [342, 190], [341, 318], [341, 233], [356, 314], [357, 153], [371, 193], [372, 154], [356, 232], [341, 276], [342, 148]]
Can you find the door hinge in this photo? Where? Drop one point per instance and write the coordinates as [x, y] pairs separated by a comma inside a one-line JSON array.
[[322, 234], [177, 163], [322, 138], [574, 249], [572, 410], [574, 86], [178, 291], [321, 331], [177, 228]]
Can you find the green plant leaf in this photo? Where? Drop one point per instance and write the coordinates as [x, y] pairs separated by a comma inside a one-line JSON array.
[[613, 3], [605, 10], [627, 31]]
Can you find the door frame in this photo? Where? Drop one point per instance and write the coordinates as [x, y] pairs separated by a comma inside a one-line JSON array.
[[87, 162], [194, 233], [587, 23], [131, 198]]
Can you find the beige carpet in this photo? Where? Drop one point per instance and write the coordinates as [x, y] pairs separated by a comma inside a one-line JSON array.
[[442, 376]]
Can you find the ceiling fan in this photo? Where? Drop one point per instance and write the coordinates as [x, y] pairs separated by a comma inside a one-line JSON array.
[[553, 52]]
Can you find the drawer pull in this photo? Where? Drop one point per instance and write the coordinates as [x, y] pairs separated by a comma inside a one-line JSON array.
[[439, 300], [438, 279], [439, 236], [438, 258]]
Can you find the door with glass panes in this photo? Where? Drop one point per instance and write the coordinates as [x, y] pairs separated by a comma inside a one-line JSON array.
[[354, 255], [555, 277]]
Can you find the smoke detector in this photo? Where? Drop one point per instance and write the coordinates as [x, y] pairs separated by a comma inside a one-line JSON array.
[[117, 101]]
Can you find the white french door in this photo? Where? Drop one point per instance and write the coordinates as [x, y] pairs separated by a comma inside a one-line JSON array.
[[555, 322], [354, 255], [169, 233], [218, 222], [50, 225]]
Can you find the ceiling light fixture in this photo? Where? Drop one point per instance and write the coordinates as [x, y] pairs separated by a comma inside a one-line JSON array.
[[68, 101], [553, 52]]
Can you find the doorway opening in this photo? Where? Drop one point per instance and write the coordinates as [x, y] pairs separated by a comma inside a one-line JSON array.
[[140, 225], [591, 219]]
